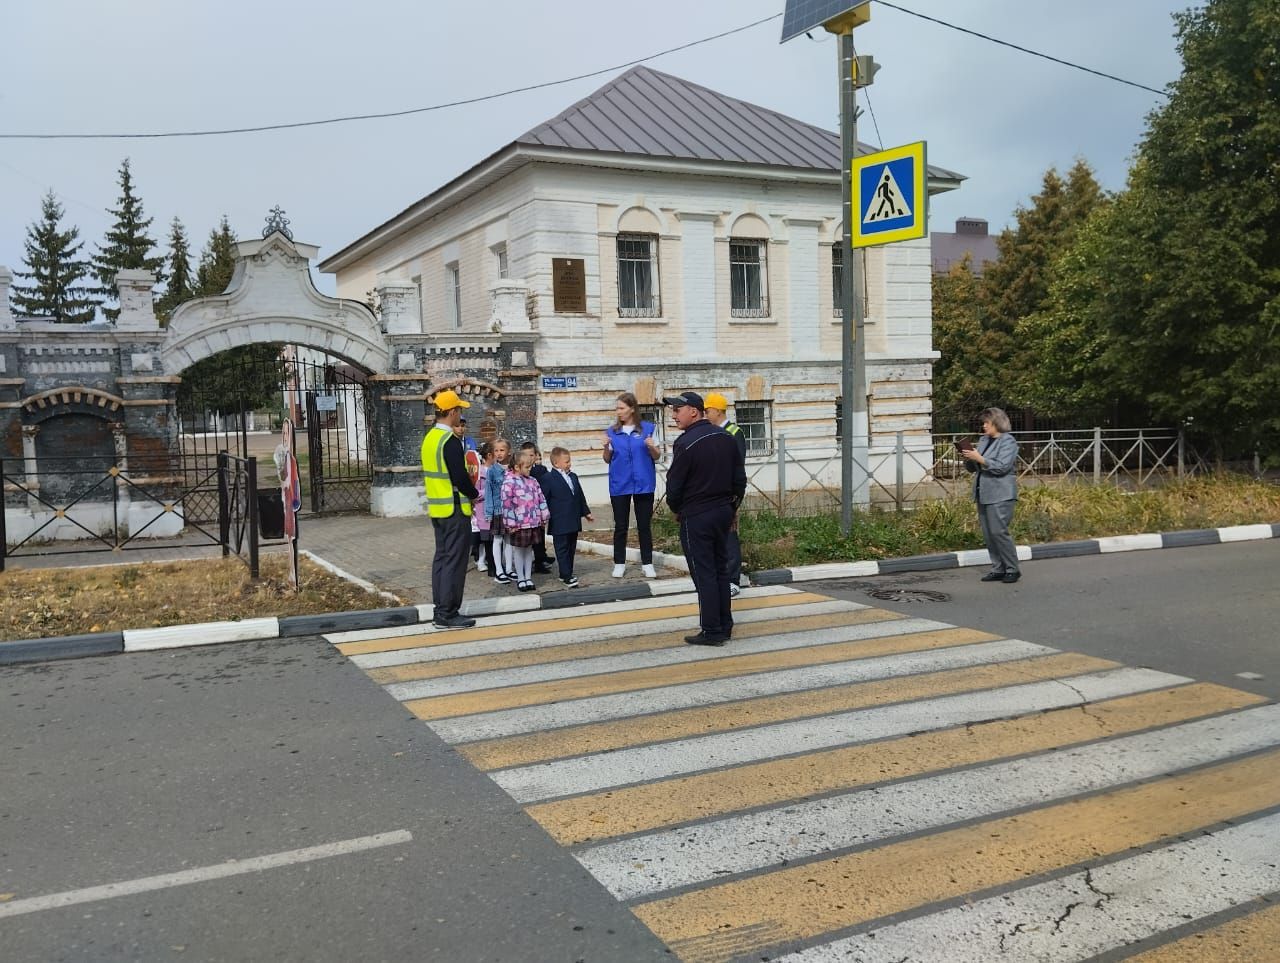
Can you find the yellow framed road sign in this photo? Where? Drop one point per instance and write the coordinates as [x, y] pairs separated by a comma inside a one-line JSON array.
[[890, 196]]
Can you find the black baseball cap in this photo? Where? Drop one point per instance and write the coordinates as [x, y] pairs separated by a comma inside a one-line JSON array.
[[690, 398]]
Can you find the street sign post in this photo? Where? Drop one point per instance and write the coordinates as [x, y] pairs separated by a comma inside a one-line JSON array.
[[890, 196], [841, 17]]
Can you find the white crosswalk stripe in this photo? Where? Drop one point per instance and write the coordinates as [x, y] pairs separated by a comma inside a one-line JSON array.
[[837, 766]]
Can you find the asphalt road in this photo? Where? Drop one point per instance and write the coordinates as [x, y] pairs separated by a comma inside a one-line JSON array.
[[1210, 612], [127, 767], [131, 767]]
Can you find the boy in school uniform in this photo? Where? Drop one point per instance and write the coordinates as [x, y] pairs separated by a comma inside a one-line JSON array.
[[568, 507]]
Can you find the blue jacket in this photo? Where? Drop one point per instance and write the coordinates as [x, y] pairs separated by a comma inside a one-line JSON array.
[[632, 471]]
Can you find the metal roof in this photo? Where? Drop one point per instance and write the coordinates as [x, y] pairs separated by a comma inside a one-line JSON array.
[[646, 112]]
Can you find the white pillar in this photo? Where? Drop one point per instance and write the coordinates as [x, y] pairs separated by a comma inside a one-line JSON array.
[[698, 256], [137, 311], [7, 323], [29, 433], [509, 313], [401, 307]]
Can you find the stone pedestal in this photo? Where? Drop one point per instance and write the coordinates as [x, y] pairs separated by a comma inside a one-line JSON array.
[[399, 411], [509, 312]]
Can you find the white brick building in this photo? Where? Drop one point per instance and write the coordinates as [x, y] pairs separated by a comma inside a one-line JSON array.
[[706, 228]]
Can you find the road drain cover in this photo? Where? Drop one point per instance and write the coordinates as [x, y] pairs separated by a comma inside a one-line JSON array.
[[908, 595]]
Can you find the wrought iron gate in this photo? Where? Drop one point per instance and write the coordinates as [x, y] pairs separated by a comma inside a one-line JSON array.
[[237, 400]]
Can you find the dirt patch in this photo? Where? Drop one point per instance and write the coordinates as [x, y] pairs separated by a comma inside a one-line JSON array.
[[71, 601]]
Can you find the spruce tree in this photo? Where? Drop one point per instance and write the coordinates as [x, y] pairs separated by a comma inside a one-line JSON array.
[[181, 285], [54, 271], [128, 246], [217, 261]]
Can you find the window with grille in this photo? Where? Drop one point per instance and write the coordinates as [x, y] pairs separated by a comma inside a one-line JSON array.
[[658, 414], [638, 276], [755, 418], [748, 279], [453, 295], [837, 279]]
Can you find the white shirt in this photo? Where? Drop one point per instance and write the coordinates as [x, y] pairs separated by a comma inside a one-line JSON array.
[[568, 480]]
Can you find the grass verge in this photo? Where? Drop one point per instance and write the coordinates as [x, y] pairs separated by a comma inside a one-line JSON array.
[[71, 601], [1045, 513]]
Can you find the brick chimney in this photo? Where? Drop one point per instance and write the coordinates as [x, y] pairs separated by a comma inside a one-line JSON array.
[[973, 226]]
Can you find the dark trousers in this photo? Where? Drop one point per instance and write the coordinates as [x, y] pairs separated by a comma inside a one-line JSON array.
[[704, 538], [566, 547], [540, 552], [449, 566], [733, 549], [621, 517]]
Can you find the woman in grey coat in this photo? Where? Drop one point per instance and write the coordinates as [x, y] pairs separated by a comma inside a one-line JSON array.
[[994, 462]]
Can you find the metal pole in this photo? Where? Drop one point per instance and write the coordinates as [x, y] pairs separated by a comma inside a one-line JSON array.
[[900, 451], [252, 486], [1097, 454], [4, 538], [224, 504], [1182, 457], [782, 475], [853, 358]]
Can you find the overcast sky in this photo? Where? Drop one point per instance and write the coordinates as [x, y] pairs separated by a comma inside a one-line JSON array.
[[996, 115]]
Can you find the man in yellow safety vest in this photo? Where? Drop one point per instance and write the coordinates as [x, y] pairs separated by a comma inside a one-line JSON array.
[[718, 415], [449, 494]]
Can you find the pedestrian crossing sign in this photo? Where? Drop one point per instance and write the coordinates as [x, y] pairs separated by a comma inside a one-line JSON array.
[[890, 196]]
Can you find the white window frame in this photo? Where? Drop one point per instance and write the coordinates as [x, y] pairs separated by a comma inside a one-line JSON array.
[[501, 263], [755, 418], [837, 279], [654, 308], [453, 295], [760, 310]]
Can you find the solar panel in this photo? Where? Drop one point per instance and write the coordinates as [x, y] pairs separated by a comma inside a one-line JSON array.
[[802, 15]]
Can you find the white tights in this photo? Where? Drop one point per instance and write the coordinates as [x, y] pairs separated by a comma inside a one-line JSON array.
[[502, 554], [523, 558]]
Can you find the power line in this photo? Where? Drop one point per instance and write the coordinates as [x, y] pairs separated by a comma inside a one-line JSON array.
[[394, 113], [1025, 50]]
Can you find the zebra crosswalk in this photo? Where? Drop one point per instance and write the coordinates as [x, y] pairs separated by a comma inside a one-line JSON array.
[[845, 783]]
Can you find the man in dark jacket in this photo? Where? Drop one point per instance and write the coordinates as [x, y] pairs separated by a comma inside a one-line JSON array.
[[705, 484]]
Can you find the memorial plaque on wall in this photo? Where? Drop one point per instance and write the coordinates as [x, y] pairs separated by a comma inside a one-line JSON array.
[[569, 285]]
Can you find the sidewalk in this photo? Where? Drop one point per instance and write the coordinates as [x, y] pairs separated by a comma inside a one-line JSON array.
[[393, 554]]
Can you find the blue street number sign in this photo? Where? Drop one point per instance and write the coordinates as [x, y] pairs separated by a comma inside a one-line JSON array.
[[560, 381]]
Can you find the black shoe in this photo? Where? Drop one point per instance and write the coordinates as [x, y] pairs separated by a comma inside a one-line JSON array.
[[1011, 577], [707, 638], [993, 577], [543, 569], [571, 581], [454, 622]]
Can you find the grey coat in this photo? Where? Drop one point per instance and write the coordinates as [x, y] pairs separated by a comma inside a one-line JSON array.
[[997, 480]]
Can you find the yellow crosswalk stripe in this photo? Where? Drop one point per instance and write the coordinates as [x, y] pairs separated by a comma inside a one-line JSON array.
[[1249, 939], [683, 723], [538, 693], [620, 617], [632, 809], [638, 643], [805, 901]]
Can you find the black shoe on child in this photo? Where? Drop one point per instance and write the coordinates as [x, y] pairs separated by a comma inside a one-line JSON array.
[[501, 578], [707, 638]]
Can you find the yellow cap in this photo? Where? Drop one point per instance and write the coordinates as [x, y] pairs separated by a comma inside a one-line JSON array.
[[448, 400], [717, 401]]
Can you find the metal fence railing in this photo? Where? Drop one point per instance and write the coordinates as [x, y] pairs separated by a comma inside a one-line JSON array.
[[71, 506], [803, 478]]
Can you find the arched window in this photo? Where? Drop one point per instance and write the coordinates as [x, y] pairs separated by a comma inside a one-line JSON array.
[[749, 268], [639, 289]]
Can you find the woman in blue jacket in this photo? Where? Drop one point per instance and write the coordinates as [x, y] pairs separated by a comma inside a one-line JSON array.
[[630, 452]]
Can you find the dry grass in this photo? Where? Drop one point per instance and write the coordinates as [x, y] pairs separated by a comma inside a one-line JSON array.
[[71, 601]]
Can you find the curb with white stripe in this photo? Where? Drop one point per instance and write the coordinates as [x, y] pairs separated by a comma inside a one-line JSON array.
[[212, 633]]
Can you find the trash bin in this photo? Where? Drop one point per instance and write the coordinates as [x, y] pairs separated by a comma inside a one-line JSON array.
[[271, 514]]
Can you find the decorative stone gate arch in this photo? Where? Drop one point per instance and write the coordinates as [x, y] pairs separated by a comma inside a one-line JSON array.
[[271, 298], [128, 372]]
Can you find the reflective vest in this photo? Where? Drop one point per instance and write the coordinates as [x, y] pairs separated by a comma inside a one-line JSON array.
[[732, 428], [442, 496]]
